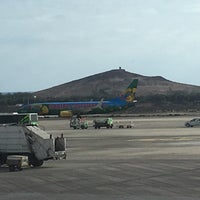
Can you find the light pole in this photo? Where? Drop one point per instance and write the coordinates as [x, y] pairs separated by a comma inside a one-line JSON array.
[[34, 98]]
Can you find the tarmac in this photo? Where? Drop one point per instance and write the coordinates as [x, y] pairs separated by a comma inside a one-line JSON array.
[[158, 159]]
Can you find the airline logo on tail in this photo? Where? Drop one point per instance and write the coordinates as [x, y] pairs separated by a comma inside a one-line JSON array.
[[130, 91]]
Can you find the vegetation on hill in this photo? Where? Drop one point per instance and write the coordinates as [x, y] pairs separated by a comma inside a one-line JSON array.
[[154, 94], [150, 103]]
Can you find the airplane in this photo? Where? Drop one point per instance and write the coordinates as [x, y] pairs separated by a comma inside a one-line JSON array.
[[69, 108]]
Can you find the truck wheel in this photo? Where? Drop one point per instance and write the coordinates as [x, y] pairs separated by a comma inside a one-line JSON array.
[[11, 168], [3, 159], [35, 162]]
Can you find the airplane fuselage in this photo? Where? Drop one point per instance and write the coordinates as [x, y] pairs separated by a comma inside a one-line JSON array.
[[56, 107], [48, 108]]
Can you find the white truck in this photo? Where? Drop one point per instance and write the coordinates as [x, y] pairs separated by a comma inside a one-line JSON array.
[[20, 136]]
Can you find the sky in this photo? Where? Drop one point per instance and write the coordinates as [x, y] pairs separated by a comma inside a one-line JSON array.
[[45, 43]]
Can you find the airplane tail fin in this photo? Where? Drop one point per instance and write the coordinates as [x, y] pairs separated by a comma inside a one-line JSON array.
[[129, 94], [99, 105]]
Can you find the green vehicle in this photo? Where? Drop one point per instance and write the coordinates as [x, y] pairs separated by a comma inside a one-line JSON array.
[[106, 122], [78, 123], [28, 119]]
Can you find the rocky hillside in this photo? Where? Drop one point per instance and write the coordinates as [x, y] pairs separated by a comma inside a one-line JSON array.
[[112, 83]]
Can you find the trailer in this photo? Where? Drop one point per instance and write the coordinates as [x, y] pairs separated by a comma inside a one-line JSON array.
[[124, 123], [21, 136]]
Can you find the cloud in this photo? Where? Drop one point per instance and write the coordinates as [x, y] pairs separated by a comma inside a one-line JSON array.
[[193, 7], [94, 35]]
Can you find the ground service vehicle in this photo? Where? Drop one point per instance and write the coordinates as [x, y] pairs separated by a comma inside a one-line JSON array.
[[65, 114], [17, 162], [78, 123], [193, 122], [106, 122], [20, 135], [30, 119]]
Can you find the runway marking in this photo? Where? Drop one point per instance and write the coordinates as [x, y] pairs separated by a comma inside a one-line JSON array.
[[163, 139]]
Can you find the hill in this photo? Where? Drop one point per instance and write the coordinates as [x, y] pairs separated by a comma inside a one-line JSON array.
[[111, 83]]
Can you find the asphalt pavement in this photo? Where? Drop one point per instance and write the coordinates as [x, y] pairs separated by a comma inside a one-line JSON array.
[[158, 159]]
